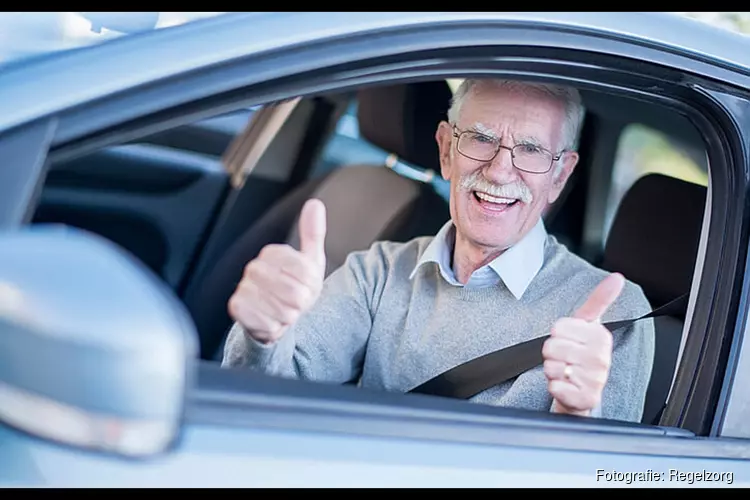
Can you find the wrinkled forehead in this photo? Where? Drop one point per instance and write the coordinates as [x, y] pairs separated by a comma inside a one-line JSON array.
[[514, 113]]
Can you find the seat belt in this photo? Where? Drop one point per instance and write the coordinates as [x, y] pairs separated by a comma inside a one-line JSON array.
[[474, 376]]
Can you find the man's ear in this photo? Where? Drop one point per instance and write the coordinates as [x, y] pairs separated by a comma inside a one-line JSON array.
[[443, 136], [570, 160]]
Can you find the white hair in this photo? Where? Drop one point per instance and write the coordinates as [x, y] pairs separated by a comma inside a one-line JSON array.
[[570, 97]]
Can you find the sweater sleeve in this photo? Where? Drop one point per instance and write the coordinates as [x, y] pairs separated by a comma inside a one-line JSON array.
[[328, 342]]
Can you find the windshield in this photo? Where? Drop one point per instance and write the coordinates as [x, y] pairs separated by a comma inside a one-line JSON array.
[[28, 34]]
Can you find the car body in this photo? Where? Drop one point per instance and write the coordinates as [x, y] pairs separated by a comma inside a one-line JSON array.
[[105, 138]]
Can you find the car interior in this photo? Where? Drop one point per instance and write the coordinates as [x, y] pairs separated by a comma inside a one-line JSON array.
[[635, 203]]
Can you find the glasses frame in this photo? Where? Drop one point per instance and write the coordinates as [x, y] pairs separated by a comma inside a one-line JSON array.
[[457, 133]]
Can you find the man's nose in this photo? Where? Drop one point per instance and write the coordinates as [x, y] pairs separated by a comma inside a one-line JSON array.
[[501, 169]]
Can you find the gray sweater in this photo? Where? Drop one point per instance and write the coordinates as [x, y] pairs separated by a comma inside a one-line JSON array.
[[374, 324]]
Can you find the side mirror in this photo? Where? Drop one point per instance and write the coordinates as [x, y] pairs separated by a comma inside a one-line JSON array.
[[95, 352]]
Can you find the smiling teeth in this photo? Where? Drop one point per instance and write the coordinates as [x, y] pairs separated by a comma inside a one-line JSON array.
[[493, 199]]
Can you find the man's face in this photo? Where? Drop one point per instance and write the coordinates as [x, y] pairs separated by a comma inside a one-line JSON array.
[[492, 203]]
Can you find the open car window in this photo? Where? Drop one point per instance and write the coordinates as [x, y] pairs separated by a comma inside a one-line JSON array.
[[309, 160], [345, 147]]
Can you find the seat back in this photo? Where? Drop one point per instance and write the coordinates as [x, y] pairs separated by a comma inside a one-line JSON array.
[[654, 242], [365, 203], [368, 202]]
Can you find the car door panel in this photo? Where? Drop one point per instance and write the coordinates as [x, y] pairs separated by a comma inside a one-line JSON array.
[[155, 202], [226, 456]]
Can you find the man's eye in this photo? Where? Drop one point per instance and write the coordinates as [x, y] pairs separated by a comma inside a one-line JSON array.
[[482, 138], [529, 149]]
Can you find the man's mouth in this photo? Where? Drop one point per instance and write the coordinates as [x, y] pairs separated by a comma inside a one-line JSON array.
[[495, 203]]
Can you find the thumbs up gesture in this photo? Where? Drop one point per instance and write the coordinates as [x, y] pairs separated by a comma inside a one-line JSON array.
[[282, 283], [578, 353]]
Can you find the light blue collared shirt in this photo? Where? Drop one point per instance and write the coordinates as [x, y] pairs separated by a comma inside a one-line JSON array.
[[516, 267]]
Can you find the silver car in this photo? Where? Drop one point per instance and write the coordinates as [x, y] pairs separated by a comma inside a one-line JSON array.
[[143, 168]]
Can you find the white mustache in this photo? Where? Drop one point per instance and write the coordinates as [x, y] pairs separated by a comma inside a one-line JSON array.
[[516, 190]]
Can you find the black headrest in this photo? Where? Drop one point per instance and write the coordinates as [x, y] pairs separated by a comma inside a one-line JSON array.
[[402, 119], [654, 237]]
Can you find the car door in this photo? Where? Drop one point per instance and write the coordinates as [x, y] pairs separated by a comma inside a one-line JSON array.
[[246, 429]]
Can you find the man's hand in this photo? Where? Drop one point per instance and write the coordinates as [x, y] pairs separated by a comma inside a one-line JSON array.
[[578, 353], [282, 283]]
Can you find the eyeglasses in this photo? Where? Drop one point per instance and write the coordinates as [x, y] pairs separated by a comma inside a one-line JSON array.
[[526, 157]]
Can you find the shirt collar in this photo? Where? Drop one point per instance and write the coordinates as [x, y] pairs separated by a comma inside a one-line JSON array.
[[517, 266]]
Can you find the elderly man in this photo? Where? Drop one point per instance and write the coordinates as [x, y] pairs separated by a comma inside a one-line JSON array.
[[398, 314]]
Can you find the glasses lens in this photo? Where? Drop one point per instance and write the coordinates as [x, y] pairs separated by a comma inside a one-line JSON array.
[[531, 158], [477, 146]]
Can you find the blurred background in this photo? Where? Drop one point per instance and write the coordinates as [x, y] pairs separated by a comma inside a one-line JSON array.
[[735, 21], [29, 33]]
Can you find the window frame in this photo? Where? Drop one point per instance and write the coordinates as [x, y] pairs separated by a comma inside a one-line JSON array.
[[25, 149], [237, 400]]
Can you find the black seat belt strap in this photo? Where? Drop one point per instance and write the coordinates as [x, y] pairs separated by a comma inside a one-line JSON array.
[[469, 379]]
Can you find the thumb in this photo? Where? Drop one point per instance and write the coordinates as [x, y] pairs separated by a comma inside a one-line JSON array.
[[312, 230], [601, 298]]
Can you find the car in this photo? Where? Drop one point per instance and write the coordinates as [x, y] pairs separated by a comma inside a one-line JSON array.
[[127, 221]]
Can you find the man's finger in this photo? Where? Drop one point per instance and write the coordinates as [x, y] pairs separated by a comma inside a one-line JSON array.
[[312, 230], [568, 351], [572, 398], [601, 298]]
